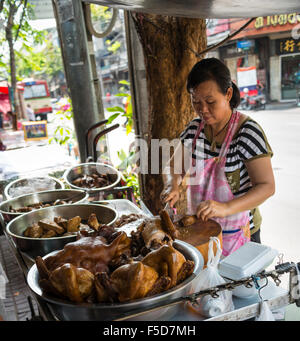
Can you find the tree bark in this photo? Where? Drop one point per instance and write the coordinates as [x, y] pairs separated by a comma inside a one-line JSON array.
[[9, 37], [168, 44]]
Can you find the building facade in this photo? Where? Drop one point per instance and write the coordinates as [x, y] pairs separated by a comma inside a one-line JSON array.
[[271, 45]]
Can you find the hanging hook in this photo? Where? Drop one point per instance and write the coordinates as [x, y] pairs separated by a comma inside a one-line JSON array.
[[260, 288]]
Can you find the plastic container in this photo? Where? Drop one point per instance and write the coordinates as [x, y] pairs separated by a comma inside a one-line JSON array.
[[246, 261]]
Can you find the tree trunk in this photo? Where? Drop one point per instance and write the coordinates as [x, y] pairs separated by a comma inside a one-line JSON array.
[[12, 62], [168, 44]]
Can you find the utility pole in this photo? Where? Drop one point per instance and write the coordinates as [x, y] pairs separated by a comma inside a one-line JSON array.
[[79, 64]]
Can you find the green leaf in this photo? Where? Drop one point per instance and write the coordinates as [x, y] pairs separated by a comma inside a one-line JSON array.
[[113, 109], [112, 117], [124, 82], [128, 129], [122, 94]]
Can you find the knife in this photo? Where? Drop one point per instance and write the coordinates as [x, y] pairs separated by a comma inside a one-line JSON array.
[[170, 210]]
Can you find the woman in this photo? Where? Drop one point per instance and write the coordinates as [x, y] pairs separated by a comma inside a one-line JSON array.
[[230, 172]]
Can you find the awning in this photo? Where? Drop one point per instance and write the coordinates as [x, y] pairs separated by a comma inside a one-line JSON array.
[[222, 9], [4, 90]]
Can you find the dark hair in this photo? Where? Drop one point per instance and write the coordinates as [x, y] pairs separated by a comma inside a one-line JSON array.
[[213, 69]]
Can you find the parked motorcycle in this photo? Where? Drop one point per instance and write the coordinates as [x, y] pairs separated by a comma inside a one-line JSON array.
[[257, 102]]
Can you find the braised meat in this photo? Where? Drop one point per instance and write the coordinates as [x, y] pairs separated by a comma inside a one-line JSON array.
[[69, 281], [39, 205], [91, 253], [93, 181], [111, 266], [47, 228]]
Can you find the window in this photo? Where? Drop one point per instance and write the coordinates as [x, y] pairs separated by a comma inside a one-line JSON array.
[[37, 90]]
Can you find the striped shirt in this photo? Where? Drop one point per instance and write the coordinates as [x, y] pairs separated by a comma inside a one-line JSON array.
[[249, 142]]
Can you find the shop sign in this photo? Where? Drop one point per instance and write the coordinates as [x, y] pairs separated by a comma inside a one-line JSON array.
[[277, 20], [245, 44], [35, 130], [247, 81], [215, 26], [287, 45]]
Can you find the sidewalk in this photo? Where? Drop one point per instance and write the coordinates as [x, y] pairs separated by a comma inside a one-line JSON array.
[[281, 105]]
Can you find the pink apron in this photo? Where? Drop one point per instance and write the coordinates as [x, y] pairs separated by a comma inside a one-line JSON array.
[[207, 181]]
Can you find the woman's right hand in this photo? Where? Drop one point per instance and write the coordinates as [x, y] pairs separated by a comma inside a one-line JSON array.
[[171, 195]]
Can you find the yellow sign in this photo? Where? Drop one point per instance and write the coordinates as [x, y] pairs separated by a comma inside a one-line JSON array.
[[287, 45], [275, 20], [36, 130]]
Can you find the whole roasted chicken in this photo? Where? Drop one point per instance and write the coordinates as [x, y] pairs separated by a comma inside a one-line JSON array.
[[112, 266]]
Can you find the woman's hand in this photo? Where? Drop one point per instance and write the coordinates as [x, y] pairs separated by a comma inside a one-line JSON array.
[[171, 195], [212, 209]]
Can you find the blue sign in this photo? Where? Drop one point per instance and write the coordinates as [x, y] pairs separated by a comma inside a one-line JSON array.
[[244, 44], [30, 83]]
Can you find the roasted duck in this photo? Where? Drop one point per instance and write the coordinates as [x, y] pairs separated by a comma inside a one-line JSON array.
[[112, 266]]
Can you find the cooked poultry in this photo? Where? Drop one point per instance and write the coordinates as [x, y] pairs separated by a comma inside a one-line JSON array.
[[91, 253], [47, 224], [62, 227], [187, 220], [38, 205], [93, 222], [166, 261], [153, 233], [93, 181], [168, 224], [158, 271], [130, 281], [125, 219], [115, 267], [73, 224], [34, 231], [69, 281]]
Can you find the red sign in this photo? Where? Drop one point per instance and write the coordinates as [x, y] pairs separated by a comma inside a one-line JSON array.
[[216, 26]]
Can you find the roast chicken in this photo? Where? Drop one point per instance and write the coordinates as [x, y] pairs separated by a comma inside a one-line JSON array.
[[112, 266]]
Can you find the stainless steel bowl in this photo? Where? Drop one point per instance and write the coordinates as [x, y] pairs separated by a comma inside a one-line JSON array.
[[89, 168], [78, 196], [24, 181], [67, 311], [34, 247]]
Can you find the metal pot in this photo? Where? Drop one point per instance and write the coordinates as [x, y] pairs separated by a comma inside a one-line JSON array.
[[34, 247], [24, 181], [78, 196], [68, 311], [88, 169]]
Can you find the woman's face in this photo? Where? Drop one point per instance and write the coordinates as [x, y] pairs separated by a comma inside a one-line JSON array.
[[210, 103]]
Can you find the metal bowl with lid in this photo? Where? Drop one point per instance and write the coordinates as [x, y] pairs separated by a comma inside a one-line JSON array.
[[89, 168], [34, 247], [74, 195], [31, 185], [68, 311]]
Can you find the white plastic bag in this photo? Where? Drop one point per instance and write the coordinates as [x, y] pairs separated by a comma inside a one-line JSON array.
[[265, 313], [209, 278]]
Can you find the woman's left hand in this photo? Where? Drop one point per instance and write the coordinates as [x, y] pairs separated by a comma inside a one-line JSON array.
[[212, 209]]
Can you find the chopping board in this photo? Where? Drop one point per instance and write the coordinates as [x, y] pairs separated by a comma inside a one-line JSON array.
[[198, 234]]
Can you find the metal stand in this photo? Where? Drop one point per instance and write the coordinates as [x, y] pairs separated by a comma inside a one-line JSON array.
[[281, 298]]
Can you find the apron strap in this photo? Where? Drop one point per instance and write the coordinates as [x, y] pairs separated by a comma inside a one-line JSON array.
[[230, 132], [200, 127]]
